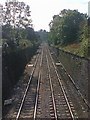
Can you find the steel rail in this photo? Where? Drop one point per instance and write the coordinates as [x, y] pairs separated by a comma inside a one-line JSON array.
[[36, 103], [61, 85], [71, 79], [76, 87], [51, 89], [23, 99]]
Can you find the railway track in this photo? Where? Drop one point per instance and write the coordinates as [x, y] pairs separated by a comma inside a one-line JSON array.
[[45, 103], [28, 104], [64, 107], [76, 87], [31, 103], [45, 95], [59, 106], [83, 104]]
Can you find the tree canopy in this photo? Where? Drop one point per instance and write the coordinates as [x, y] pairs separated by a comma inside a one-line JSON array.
[[17, 26], [65, 27]]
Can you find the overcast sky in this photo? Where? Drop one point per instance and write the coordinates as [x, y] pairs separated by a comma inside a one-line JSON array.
[[43, 10]]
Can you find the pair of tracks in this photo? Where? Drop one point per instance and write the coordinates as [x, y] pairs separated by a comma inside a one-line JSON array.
[[45, 96]]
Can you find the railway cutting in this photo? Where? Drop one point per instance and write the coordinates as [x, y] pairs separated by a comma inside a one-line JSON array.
[[45, 94]]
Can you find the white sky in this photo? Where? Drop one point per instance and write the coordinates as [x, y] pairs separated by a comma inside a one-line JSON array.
[[43, 10]]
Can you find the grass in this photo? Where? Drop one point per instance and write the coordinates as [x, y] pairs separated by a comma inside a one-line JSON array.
[[80, 49], [73, 48]]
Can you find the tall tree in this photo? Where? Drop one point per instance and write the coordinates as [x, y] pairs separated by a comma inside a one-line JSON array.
[[16, 14], [16, 17], [65, 27]]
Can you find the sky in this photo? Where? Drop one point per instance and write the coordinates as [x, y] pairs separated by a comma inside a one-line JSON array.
[[42, 11]]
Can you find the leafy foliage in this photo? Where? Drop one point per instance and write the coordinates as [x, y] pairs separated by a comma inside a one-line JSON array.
[[65, 27], [16, 14], [70, 31], [17, 28], [84, 47]]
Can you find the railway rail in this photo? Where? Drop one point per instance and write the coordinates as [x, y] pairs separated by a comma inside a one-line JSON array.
[[67, 111], [74, 84], [45, 104], [45, 95], [29, 97]]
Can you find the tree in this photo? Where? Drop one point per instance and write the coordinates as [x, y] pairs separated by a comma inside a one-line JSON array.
[[16, 18], [65, 27], [54, 29], [85, 43], [17, 14]]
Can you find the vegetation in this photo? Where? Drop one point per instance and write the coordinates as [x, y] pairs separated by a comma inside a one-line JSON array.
[[17, 31], [69, 31]]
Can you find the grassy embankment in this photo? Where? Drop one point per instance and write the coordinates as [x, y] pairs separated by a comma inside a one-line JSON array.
[[81, 49]]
